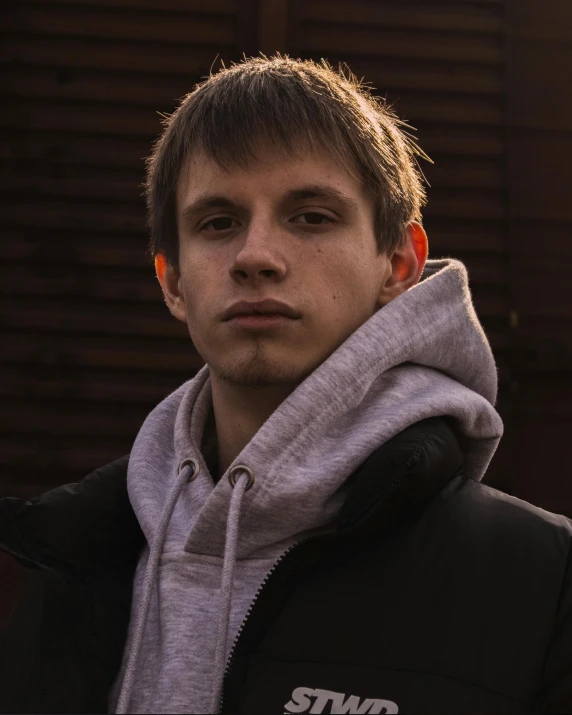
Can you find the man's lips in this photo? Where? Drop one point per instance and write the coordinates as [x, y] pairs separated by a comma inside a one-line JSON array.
[[268, 306], [257, 322]]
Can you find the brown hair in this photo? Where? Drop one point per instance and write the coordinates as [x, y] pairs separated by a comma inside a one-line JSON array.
[[287, 101]]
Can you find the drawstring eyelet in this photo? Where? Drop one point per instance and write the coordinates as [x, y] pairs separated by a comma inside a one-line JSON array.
[[195, 473], [232, 478]]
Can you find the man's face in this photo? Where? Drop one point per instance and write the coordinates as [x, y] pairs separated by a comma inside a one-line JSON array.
[[318, 255]]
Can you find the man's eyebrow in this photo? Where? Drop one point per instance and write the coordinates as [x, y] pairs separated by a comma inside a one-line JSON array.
[[313, 191]]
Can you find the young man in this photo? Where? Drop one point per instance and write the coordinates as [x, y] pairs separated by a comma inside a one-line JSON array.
[[302, 527]]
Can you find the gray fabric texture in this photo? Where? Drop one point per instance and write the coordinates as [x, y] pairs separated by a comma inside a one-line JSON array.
[[210, 546]]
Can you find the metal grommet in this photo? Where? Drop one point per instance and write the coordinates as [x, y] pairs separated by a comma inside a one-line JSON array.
[[232, 478], [195, 473]]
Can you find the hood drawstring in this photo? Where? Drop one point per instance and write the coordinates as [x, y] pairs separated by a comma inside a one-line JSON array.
[[187, 475], [227, 577]]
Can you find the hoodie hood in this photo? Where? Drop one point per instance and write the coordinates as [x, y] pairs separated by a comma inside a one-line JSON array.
[[424, 354]]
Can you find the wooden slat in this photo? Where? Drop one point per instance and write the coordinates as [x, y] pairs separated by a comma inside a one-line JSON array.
[[534, 353], [76, 383], [56, 280], [485, 268], [453, 236], [460, 141], [542, 285], [553, 24], [543, 439], [125, 24], [67, 214], [139, 354], [319, 38], [56, 179], [546, 156], [473, 173], [272, 26], [126, 152], [452, 17], [431, 75], [465, 204], [61, 315], [495, 328], [86, 85], [59, 246], [65, 419], [46, 455], [450, 108], [218, 7], [490, 301], [85, 118], [185, 59], [549, 333], [545, 74]]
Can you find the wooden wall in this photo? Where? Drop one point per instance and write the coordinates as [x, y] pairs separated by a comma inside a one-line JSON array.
[[89, 347]]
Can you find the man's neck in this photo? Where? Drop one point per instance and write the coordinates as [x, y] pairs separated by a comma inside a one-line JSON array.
[[239, 412], [209, 446]]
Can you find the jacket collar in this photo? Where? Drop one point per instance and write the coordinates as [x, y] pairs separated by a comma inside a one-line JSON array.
[[403, 475]]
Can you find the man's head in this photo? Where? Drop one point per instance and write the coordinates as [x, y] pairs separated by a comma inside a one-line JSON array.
[[267, 136]]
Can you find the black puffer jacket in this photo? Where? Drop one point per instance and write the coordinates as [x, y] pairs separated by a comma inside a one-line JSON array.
[[432, 593]]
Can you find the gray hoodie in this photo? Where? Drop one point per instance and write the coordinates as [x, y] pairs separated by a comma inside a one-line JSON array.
[[210, 546]]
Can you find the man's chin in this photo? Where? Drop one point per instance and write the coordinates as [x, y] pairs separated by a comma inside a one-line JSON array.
[[258, 373]]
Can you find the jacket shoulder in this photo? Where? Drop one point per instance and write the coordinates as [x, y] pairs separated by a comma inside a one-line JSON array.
[[77, 525], [510, 514]]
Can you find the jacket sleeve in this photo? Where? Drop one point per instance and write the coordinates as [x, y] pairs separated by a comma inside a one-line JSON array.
[[12, 570], [554, 694], [11, 578]]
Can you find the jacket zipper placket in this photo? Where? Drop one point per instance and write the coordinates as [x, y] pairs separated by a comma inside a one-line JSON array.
[[230, 662], [345, 532]]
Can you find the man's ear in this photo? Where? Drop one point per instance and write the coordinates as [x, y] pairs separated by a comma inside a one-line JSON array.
[[407, 263], [170, 282]]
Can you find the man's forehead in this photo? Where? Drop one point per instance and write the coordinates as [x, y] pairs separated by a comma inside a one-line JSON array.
[[199, 171], [265, 156]]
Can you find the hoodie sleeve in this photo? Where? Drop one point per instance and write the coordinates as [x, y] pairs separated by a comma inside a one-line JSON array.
[[554, 694]]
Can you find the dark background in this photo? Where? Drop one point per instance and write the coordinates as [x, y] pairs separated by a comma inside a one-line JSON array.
[[88, 345]]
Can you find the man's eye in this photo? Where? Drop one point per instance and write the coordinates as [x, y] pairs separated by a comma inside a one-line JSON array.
[[219, 218], [311, 222], [319, 215]]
